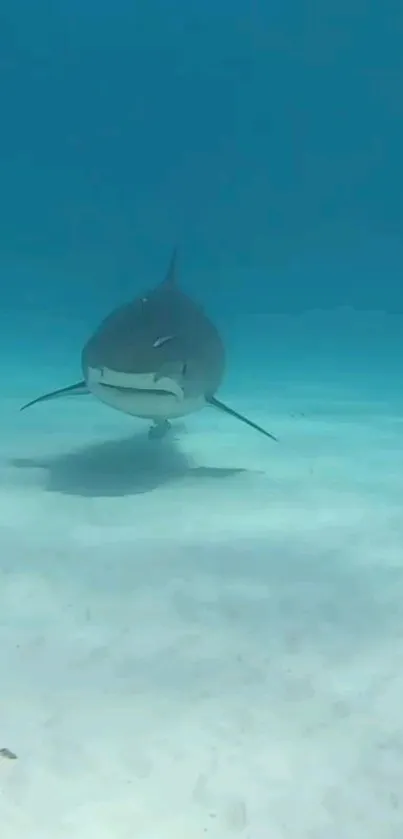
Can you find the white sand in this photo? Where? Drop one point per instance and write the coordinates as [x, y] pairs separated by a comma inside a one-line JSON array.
[[187, 652]]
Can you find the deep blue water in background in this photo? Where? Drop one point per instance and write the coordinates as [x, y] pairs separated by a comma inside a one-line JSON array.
[[265, 138], [204, 636]]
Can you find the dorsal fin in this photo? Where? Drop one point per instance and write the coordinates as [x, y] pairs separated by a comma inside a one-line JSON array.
[[171, 275]]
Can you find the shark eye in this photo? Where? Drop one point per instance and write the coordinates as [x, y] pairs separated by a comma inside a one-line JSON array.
[[161, 341]]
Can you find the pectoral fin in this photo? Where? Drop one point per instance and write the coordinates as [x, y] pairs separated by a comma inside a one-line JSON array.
[[79, 389], [221, 407]]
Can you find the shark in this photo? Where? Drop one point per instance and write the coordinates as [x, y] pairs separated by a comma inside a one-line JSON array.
[[157, 358]]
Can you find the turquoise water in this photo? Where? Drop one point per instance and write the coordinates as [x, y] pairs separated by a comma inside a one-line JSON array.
[[201, 636]]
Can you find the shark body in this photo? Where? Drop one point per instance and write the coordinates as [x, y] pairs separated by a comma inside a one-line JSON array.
[[158, 358]]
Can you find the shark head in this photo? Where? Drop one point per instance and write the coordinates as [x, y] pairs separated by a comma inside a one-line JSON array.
[[157, 357]]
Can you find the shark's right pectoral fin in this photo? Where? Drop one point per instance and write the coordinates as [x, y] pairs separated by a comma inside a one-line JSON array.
[[79, 389]]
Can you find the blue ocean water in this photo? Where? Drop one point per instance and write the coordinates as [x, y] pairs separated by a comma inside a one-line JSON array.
[[203, 637]]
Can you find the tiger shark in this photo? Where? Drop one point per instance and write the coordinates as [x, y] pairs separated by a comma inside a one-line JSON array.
[[158, 358]]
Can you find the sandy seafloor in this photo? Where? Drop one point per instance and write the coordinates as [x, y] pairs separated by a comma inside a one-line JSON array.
[[203, 637]]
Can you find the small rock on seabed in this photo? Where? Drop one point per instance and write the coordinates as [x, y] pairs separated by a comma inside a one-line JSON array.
[[7, 754]]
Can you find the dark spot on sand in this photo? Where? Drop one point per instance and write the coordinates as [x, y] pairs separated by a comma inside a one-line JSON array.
[[7, 754]]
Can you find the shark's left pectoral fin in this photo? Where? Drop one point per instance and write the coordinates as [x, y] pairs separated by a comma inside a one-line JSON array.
[[79, 389], [221, 407]]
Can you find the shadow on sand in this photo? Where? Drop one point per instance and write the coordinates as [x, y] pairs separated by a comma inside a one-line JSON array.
[[119, 467]]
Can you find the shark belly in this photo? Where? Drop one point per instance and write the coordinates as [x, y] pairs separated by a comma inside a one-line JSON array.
[[143, 395]]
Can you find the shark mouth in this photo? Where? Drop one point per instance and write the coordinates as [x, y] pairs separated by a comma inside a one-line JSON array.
[[134, 384], [139, 390]]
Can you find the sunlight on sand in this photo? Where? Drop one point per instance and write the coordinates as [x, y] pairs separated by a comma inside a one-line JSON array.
[[202, 638]]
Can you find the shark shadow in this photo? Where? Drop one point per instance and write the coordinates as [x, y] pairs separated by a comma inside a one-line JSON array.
[[128, 466]]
